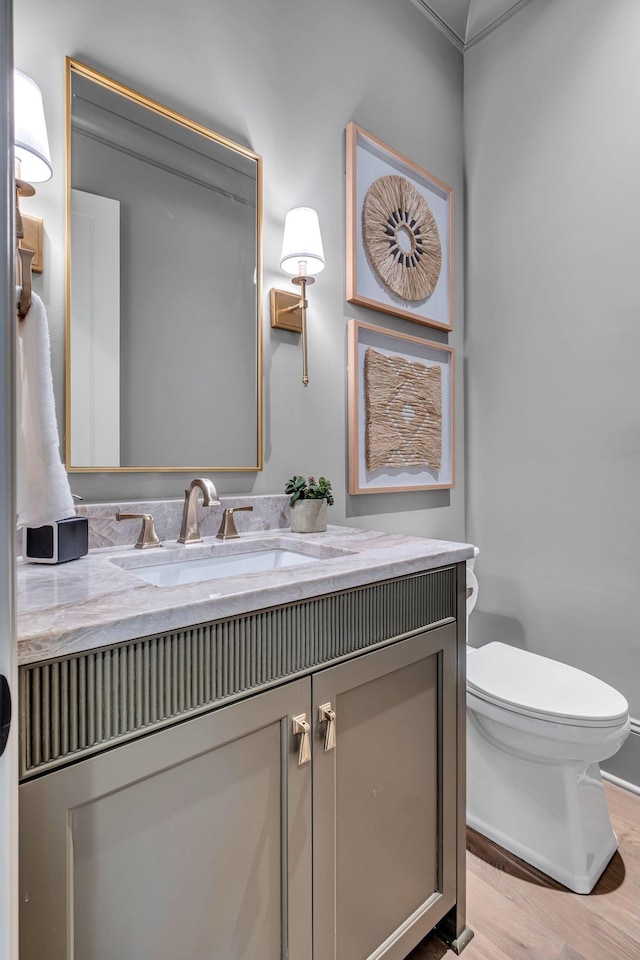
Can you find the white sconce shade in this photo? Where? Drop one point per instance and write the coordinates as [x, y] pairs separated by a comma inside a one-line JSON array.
[[30, 130], [302, 242]]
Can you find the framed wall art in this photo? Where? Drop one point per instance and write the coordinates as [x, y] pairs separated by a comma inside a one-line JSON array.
[[399, 234], [400, 412]]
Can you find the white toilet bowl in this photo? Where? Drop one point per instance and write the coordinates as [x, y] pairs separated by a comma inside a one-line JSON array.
[[537, 730]]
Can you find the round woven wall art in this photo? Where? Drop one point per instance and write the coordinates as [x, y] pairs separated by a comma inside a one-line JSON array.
[[401, 238]]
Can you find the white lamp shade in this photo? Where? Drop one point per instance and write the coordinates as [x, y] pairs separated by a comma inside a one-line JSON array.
[[30, 130], [302, 242]]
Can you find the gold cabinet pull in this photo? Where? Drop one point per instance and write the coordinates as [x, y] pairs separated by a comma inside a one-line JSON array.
[[327, 715], [302, 727]]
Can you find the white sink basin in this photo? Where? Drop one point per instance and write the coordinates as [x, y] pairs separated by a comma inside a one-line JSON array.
[[194, 569]]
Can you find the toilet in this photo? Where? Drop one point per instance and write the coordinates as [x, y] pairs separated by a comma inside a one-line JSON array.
[[537, 730]]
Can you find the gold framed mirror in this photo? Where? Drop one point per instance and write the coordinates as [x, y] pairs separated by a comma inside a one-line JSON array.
[[163, 288]]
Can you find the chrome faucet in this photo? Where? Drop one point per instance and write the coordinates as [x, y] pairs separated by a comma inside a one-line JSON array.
[[190, 530]]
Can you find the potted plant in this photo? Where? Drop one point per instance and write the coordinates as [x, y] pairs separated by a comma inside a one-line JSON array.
[[309, 499]]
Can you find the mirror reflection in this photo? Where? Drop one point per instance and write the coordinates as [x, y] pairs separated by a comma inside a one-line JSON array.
[[163, 331]]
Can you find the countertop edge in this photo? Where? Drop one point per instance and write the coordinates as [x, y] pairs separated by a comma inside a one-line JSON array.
[[52, 631]]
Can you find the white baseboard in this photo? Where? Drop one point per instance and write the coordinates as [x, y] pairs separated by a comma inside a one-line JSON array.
[[631, 787]]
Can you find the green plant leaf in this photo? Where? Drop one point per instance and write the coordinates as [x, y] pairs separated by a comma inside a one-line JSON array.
[[311, 489]]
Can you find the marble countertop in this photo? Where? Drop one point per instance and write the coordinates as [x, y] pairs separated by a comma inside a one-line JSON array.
[[95, 602]]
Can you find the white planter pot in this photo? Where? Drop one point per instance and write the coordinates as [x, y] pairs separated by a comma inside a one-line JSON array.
[[309, 516]]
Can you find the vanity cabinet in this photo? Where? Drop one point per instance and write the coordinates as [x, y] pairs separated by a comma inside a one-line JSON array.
[[384, 799], [192, 843], [317, 818]]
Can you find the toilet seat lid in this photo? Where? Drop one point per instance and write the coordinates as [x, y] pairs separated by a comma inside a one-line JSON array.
[[536, 686]]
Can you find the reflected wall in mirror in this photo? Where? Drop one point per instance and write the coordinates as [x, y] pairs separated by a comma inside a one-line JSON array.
[[164, 351]]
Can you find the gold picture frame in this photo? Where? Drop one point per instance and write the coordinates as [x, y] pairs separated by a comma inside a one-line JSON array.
[[399, 234]]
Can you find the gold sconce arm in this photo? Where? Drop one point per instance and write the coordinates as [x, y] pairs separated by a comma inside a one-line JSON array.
[[303, 281], [289, 312]]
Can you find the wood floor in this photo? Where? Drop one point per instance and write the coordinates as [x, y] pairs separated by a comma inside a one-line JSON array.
[[518, 913]]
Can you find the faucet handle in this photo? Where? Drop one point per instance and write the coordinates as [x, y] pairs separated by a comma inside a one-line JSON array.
[[227, 529], [148, 536]]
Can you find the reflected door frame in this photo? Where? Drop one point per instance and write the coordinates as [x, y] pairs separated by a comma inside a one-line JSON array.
[[8, 645], [95, 330]]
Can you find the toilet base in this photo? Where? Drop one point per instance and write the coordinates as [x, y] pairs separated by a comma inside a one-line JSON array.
[[552, 814]]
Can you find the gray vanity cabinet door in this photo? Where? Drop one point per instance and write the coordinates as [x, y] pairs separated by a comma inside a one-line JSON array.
[[384, 798], [191, 844]]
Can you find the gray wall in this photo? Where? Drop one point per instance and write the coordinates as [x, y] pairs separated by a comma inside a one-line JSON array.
[[552, 336], [285, 79]]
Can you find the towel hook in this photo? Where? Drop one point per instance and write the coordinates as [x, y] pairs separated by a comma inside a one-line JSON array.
[[24, 300], [23, 189]]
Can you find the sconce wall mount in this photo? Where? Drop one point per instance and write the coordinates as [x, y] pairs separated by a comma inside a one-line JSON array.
[[302, 255], [286, 311]]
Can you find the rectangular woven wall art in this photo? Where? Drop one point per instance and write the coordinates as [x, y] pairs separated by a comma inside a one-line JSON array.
[[400, 411], [403, 404]]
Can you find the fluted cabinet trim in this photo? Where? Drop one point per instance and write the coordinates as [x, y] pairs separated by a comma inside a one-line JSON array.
[[78, 705]]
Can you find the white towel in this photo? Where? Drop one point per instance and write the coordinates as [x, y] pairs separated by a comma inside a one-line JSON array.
[[43, 488]]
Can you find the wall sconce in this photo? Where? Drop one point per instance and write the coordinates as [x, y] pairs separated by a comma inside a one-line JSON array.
[[32, 165], [302, 256]]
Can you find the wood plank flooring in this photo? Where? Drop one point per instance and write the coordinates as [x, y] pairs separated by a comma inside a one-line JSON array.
[[517, 913]]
